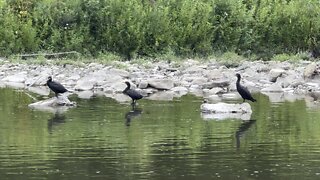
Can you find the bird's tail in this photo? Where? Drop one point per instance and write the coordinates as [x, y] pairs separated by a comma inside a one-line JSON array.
[[253, 100]]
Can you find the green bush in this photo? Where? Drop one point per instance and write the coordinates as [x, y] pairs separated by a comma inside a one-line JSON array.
[[133, 28]]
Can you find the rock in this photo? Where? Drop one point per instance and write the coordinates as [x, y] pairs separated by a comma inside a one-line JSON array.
[[143, 85], [85, 94], [231, 96], [121, 98], [179, 91], [226, 108], [162, 96], [272, 88], [161, 84], [310, 71], [41, 90], [275, 73], [212, 99], [15, 85], [213, 91], [16, 78], [53, 104], [118, 87], [85, 83], [120, 72]]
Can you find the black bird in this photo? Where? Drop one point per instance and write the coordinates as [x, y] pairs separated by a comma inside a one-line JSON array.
[[56, 87], [243, 91], [133, 94]]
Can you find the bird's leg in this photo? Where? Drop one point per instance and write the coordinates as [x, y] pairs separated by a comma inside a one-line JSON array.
[[243, 100], [57, 95]]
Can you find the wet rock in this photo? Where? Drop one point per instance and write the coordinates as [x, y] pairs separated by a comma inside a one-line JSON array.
[[212, 99], [225, 108], [213, 91], [161, 84], [275, 97], [53, 104]]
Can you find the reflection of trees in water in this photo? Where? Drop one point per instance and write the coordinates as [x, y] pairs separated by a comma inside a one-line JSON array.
[[242, 129], [55, 120], [134, 112]]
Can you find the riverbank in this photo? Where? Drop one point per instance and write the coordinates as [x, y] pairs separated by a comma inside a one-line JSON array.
[[162, 80]]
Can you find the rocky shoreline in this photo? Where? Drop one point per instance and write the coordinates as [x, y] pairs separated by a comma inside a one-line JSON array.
[[161, 80]]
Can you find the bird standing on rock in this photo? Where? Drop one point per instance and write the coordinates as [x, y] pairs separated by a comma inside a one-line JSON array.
[[243, 91], [56, 87], [133, 94]]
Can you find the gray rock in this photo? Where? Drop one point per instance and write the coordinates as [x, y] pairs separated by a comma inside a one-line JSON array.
[[16, 78], [311, 70], [161, 84], [53, 104], [275, 73], [162, 96], [85, 83], [143, 85], [41, 90]]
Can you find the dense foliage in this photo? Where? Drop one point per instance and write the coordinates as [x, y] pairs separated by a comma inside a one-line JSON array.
[[151, 27]]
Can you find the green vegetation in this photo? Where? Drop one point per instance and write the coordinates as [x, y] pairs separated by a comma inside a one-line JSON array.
[[147, 28]]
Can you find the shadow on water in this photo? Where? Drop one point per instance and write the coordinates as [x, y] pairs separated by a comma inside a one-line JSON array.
[[134, 112], [245, 126], [56, 120]]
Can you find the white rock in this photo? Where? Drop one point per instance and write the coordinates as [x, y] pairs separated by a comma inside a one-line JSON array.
[[41, 90], [53, 104], [226, 108], [275, 73]]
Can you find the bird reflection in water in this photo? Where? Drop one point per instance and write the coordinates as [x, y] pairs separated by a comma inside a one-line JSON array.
[[134, 112], [55, 120], [242, 129]]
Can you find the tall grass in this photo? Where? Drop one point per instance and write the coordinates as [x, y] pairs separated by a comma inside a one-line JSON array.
[[151, 27]]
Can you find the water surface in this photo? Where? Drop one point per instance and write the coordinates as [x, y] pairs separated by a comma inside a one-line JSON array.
[[103, 139]]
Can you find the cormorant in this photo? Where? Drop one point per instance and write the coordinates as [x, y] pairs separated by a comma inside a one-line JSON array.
[[56, 87], [243, 91], [133, 94]]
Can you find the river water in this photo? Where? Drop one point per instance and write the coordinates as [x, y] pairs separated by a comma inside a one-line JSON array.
[[103, 139]]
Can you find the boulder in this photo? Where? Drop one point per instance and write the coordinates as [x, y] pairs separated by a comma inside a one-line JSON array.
[[84, 94], [226, 108], [310, 71], [53, 104], [85, 83], [161, 84], [275, 73], [162, 96]]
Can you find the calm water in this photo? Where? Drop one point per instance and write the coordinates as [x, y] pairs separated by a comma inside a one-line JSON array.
[[160, 140]]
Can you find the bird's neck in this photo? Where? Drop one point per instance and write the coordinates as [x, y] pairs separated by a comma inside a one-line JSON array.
[[127, 88]]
